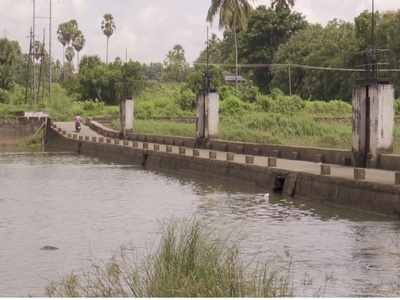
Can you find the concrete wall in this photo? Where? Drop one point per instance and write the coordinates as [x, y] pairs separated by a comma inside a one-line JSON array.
[[13, 131], [324, 155], [373, 123], [207, 116], [213, 114], [359, 124], [127, 113], [377, 198], [382, 119]]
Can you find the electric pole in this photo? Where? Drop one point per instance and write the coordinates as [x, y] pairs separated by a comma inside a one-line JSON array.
[[33, 52], [50, 57]]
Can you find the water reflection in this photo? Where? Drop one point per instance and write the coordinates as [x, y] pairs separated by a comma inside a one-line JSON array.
[[88, 209]]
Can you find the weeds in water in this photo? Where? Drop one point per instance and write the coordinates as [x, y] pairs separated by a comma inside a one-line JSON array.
[[187, 264]]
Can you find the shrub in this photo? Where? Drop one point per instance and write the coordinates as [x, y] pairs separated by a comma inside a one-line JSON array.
[[397, 107], [279, 103], [334, 107], [4, 96], [232, 105], [186, 99], [188, 263], [246, 91]]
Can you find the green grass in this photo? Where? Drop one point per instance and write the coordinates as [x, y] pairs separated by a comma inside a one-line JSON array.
[[61, 107], [271, 119], [188, 263], [262, 128]]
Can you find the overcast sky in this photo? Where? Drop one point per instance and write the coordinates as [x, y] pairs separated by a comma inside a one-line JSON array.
[[149, 28]]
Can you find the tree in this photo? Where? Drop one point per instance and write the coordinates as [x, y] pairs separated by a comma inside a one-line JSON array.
[[69, 55], [153, 71], [175, 65], [267, 30], [10, 57], [89, 62], [282, 4], [233, 15], [78, 43], [214, 51], [66, 33], [333, 45], [109, 82], [108, 27]]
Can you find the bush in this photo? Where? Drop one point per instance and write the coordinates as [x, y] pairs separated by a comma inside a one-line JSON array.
[[279, 103], [246, 91], [397, 107], [4, 96], [335, 107], [232, 105], [188, 263], [186, 99]]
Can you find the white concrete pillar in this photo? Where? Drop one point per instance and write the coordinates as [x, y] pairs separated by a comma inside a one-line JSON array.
[[373, 123], [208, 116], [127, 114]]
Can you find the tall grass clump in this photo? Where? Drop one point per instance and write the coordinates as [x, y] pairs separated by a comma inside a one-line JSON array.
[[188, 263], [331, 108]]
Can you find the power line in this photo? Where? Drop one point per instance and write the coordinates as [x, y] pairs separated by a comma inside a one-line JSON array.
[[299, 66]]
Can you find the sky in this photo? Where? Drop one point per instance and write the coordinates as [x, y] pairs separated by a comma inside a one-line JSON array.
[[148, 29]]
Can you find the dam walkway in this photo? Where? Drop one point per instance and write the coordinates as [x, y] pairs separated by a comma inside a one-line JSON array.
[[368, 175]]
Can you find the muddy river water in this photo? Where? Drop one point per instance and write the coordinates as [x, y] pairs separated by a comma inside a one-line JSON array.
[[88, 209]]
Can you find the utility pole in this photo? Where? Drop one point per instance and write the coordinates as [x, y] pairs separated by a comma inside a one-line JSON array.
[[33, 53], [50, 57], [290, 80]]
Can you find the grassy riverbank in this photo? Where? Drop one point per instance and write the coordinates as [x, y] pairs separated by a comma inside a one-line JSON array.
[[246, 115], [275, 129], [188, 263]]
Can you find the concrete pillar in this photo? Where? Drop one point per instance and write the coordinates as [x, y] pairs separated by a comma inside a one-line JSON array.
[[359, 174], [182, 151], [212, 155], [230, 156], [272, 162], [250, 160], [126, 115], [373, 123], [207, 116], [397, 178], [325, 170]]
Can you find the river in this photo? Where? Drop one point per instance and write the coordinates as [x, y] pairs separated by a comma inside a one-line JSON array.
[[89, 209]]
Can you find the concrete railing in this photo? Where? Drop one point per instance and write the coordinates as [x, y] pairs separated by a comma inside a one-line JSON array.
[[322, 155]]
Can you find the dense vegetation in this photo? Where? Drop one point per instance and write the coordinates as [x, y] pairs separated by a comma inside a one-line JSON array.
[[258, 110]]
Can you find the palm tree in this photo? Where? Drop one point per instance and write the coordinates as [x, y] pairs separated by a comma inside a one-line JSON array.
[[69, 54], [65, 34], [282, 4], [62, 38], [78, 43], [108, 27], [233, 15]]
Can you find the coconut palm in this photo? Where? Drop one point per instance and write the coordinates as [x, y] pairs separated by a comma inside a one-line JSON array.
[[233, 15], [108, 27], [282, 4], [78, 43]]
